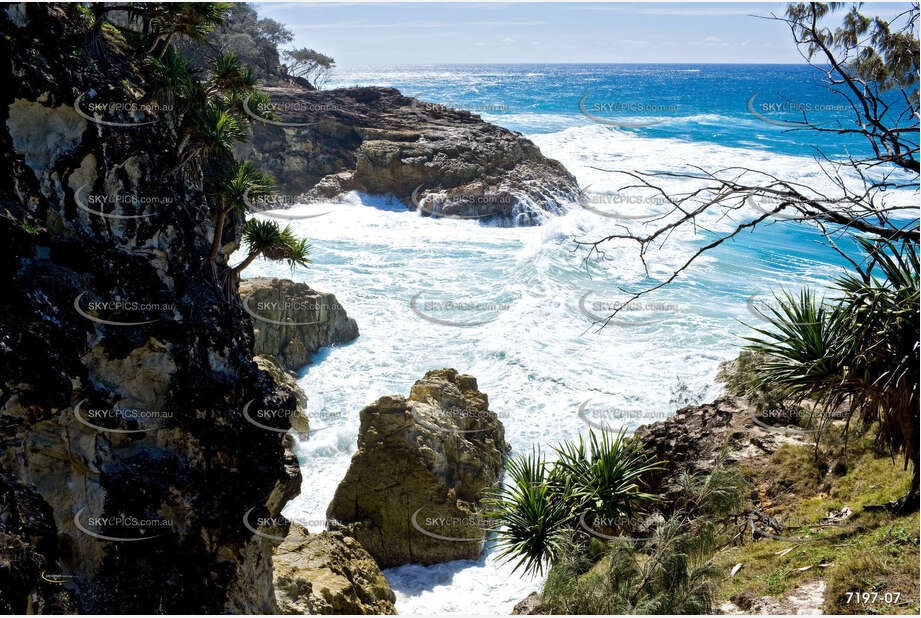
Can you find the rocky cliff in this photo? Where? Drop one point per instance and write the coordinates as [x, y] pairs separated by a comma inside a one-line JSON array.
[[412, 492], [124, 371], [442, 161]]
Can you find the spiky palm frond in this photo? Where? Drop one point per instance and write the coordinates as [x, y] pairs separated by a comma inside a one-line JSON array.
[[267, 238], [606, 473], [860, 353], [531, 518], [243, 185]]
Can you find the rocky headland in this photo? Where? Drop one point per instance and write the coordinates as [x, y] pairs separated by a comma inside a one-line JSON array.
[[412, 492], [439, 160]]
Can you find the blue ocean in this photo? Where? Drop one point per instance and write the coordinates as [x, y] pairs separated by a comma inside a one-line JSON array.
[[535, 348]]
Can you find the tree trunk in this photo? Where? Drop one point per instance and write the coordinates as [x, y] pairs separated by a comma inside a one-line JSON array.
[[249, 260], [218, 232]]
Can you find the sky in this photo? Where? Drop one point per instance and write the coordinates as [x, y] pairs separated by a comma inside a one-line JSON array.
[[430, 33]]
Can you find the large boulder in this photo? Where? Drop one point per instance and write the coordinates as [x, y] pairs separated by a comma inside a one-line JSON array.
[[291, 321], [412, 492], [328, 573], [443, 161]]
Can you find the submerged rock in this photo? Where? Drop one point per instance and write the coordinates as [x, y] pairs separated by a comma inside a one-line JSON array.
[[412, 492], [328, 573], [442, 161], [291, 321]]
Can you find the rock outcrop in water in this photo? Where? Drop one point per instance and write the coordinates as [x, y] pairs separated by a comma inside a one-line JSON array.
[[328, 573], [291, 321], [443, 161], [124, 370], [412, 492]]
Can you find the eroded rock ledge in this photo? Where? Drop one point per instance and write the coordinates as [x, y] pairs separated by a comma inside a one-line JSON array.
[[444, 161], [328, 573], [291, 321], [413, 490]]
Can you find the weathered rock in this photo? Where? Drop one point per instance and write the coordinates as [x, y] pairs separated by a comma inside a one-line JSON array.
[[440, 160], [528, 606], [189, 464], [694, 437], [300, 423], [420, 471], [328, 573], [291, 321]]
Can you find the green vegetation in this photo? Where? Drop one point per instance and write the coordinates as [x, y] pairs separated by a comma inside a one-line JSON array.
[[672, 572], [872, 550], [254, 41], [309, 65], [208, 103], [546, 505], [858, 354], [268, 239]]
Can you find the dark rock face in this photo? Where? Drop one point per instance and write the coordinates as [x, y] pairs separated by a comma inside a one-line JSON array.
[[135, 431], [412, 492], [443, 161], [291, 321]]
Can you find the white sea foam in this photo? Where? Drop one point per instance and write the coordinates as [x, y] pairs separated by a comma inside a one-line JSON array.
[[541, 357]]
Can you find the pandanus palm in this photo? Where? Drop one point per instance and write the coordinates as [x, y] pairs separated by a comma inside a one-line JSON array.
[[859, 353], [192, 20], [266, 238], [212, 129], [235, 192]]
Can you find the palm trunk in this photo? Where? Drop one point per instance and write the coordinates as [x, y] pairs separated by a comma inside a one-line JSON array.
[[218, 232], [249, 260]]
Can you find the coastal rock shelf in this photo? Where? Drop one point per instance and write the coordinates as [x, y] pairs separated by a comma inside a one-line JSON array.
[[412, 493], [291, 321], [442, 161]]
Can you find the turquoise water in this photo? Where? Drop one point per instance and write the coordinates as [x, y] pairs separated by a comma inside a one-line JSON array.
[[533, 348]]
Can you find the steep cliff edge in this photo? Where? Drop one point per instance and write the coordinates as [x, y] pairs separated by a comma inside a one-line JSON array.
[[125, 373], [441, 161]]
